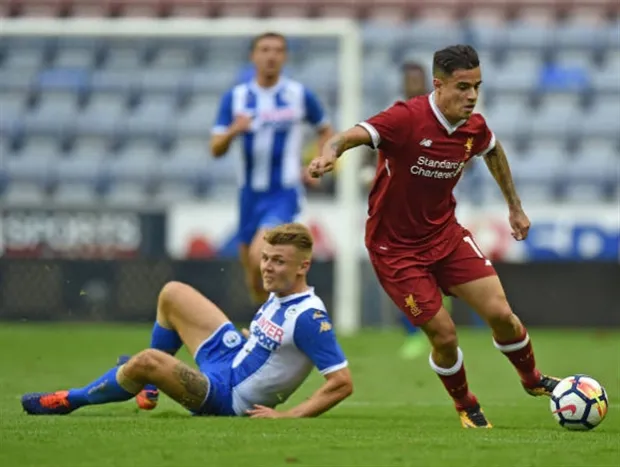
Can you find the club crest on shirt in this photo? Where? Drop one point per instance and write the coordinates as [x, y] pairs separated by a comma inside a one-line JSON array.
[[469, 144], [325, 326], [231, 339], [291, 312]]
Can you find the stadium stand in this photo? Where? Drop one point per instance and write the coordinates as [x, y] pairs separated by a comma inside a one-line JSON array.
[[83, 120]]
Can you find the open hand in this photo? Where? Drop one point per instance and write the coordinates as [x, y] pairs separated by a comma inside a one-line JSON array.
[[260, 411]]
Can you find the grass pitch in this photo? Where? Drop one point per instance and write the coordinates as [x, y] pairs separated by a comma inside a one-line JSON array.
[[399, 414]]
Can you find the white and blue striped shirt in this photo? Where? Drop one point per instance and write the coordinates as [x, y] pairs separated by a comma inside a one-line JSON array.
[[289, 336], [272, 148]]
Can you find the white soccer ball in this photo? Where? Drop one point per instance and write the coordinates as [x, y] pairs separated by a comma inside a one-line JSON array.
[[579, 402]]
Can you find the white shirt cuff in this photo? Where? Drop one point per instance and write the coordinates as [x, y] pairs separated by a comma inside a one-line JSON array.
[[372, 131], [333, 368], [219, 130], [489, 147], [322, 124]]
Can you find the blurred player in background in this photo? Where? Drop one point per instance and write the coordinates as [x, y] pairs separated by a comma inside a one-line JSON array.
[[415, 243], [268, 113], [289, 335]]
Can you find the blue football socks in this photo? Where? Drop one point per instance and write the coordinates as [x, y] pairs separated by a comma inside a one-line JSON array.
[[101, 391], [166, 340]]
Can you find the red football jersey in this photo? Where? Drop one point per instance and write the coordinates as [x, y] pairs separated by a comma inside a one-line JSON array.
[[421, 158]]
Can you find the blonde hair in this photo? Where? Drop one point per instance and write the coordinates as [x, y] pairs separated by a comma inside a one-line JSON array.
[[295, 234]]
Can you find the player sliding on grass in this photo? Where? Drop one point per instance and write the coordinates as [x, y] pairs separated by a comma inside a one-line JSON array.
[[415, 243], [289, 335]]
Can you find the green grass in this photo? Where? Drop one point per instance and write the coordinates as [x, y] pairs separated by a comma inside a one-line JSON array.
[[398, 416]]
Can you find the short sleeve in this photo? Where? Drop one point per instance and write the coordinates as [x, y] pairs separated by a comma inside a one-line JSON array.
[[314, 110], [224, 115], [390, 128], [314, 336], [487, 139]]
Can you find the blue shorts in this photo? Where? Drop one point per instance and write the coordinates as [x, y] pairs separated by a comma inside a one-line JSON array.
[[214, 358], [263, 210]]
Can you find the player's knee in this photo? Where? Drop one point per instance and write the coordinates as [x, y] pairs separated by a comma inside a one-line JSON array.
[[444, 339], [499, 312], [445, 342], [441, 332], [143, 364], [170, 292]]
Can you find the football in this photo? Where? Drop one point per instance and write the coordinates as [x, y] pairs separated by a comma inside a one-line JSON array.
[[579, 402]]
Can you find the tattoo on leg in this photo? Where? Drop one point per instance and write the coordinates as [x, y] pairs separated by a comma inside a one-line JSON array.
[[195, 386]]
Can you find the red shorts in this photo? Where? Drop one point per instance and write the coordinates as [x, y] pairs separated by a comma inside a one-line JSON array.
[[413, 281]]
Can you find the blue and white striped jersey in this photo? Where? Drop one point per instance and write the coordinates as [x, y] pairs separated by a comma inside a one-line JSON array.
[[288, 337], [272, 148]]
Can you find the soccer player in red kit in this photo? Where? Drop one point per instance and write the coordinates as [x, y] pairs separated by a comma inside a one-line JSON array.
[[415, 243]]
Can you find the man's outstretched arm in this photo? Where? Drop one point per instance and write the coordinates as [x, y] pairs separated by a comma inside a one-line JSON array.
[[497, 162], [337, 387], [335, 146], [389, 129]]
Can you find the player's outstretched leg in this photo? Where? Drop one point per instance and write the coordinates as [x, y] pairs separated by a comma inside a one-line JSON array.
[[183, 384], [487, 297], [112, 386], [446, 360]]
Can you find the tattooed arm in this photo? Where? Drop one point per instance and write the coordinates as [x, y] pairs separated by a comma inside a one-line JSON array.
[[335, 146], [498, 166]]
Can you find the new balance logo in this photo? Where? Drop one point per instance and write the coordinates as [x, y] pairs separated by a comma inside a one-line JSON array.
[[427, 143]]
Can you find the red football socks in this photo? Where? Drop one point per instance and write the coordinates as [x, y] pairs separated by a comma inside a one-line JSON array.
[[455, 381], [520, 352]]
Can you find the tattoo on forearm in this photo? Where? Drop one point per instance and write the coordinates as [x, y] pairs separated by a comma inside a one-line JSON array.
[[498, 166], [195, 386], [338, 144]]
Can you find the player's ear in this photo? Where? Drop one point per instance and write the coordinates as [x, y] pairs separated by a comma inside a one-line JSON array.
[[304, 267], [437, 82]]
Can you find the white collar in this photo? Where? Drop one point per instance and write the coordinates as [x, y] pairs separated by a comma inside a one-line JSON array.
[[441, 118], [288, 298], [270, 90]]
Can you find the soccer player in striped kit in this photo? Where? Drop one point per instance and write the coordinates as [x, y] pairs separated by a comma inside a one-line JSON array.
[[267, 114]]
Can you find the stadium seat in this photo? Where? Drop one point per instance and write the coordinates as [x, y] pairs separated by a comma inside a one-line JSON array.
[[23, 194], [75, 194], [171, 192], [34, 164], [132, 167], [519, 72], [603, 119], [12, 107], [124, 194], [557, 115], [198, 118]]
